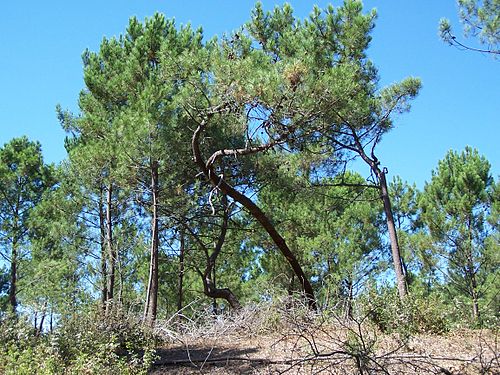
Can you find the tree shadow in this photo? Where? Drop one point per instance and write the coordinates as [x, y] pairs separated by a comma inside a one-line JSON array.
[[208, 359]]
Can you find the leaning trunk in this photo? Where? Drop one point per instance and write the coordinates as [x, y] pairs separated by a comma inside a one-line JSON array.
[[396, 254], [257, 213], [279, 241], [40, 326]]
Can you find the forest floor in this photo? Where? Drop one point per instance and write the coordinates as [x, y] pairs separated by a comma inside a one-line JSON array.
[[303, 346]]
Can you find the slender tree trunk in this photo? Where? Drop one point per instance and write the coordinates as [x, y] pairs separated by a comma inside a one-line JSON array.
[[13, 276], [396, 254], [374, 163], [475, 304], [120, 275], [110, 245], [215, 308], [180, 280], [256, 212], [208, 277], [152, 294], [350, 298], [472, 274], [42, 320], [39, 325], [104, 270]]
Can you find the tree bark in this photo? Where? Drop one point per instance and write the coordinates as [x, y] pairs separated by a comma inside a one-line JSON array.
[[396, 254], [40, 327], [110, 245], [471, 273], [215, 307], [152, 292], [349, 297], [180, 280], [209, 276], [374, 163], [104, 270], [256, 212], [225, 293], [13, 277]]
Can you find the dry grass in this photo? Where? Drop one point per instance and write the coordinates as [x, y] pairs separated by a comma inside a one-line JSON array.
[[269, 339]]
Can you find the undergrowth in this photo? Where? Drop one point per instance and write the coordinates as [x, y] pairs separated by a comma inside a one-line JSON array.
[[85, 343]]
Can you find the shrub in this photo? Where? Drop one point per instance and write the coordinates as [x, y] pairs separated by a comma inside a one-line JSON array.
[[418, 313], [87, 342]]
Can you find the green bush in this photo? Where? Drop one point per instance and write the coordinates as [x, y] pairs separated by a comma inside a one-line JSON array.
[[418, 313], [87, 342], [22, 352]]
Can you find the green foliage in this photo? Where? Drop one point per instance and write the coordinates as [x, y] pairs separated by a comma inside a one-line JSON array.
[[420, 312], [456, 205], [281, 106], [86, 342], [23, 180], [481, 19]]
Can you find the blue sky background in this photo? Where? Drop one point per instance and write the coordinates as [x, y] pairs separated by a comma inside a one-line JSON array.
[[42, 42]]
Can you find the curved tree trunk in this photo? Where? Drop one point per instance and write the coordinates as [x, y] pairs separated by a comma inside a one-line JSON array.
[[209, 282], [256, 212], [225, 293]]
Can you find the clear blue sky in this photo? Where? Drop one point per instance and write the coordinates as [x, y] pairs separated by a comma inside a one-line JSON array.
[[41, 43]]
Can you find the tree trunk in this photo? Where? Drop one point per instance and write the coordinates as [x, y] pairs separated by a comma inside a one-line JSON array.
[[110, 245], [472, 273], [104, 270], [349, 298], [475, 308], [209, 277], [13, 276], [396, 254], [152, 293], [374, 163], [279, 241], [180, 283], [212, 292], [120, 275], [42, 320], [257, 213], [51, 321], [215, 308]]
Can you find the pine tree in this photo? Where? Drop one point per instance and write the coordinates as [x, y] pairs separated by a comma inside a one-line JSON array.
[[456, 204]]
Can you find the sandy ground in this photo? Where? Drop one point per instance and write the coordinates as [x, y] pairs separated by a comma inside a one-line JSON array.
[[330, 350]]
